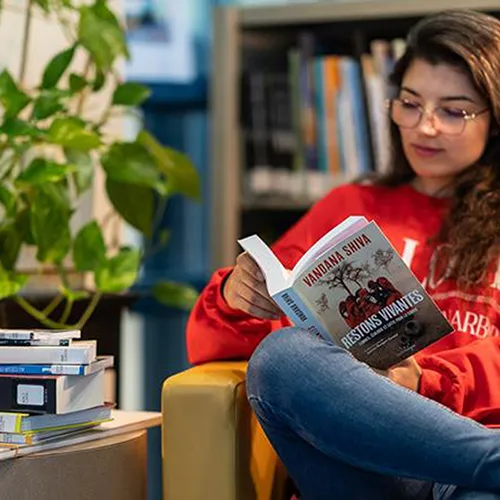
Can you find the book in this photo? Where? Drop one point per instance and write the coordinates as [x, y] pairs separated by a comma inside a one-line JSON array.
[[51, 393], [38, 334], [31, 438], [352, 288], [80, 352], [100, 363], [12, 422], [35, 342]]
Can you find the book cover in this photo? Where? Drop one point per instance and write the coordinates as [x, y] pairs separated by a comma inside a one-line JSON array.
[[358, 293]]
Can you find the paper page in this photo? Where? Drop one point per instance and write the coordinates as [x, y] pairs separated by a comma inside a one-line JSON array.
[[336, 235], [276, 275]]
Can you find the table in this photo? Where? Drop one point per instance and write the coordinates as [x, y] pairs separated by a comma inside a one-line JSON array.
[[109, 462]]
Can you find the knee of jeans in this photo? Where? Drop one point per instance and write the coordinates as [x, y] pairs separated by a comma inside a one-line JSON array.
[[270, 360]]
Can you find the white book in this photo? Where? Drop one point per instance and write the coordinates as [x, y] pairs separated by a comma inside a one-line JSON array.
[[38, 334], [81, 352]]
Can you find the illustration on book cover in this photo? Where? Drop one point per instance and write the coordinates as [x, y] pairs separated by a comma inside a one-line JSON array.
[[369, 301]]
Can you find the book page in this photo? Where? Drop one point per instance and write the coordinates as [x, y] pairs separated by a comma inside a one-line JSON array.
[[276, 275]]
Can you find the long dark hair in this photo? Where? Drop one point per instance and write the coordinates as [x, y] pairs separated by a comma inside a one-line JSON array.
[[469, 41]]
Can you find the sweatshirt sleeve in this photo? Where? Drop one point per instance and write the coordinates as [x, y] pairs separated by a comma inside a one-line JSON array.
[[464, 379], [217, 332]]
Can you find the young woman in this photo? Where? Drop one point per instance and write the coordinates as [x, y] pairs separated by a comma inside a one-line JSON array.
[[426, 427]]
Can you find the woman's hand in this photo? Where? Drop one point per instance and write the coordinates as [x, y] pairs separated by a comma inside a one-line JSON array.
[[245, 289], [407, 374]]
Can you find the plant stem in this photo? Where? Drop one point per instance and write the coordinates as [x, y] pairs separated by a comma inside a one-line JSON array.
[[26, 36], [83, 94], [33, 311], [67, 311], [90, 309], [55, 302]]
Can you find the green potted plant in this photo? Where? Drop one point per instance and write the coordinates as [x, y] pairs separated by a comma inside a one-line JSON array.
[[50, 151]]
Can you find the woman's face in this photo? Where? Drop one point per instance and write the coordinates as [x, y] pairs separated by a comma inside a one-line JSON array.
[[436, 155]]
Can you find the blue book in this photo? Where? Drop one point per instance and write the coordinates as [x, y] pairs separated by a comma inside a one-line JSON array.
[[100, 363]]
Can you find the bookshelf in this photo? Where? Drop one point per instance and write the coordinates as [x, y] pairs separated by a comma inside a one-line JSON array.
[[248, 39]]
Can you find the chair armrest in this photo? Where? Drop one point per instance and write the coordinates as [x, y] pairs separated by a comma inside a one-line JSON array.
[[212, 445]]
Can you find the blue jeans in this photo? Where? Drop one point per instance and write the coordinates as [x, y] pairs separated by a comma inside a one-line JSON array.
[[345, 432]]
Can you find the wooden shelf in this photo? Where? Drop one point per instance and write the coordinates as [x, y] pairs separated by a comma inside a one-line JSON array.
[[326, 12]]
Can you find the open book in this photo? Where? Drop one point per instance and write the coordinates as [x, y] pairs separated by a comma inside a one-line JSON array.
[[352, 288]]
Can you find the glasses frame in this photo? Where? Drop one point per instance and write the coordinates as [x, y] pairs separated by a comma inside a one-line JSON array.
[[467, 116]]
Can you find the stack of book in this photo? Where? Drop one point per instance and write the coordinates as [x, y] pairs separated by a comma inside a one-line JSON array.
[[51, 385]]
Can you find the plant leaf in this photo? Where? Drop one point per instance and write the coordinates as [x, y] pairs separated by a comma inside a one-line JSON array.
[[134, 203], [83, 174], [101, 35], [181, 175], [11, 283], [50, 214], [173, 294], [23, 225], [99, 80], [76, 83], [130, 94], [71, 133], [8, 200], [131, 163], [43, 4], [74, 295], [10, 245], [56, 68], [89, 249], [13, 99], [118, 273], [47, 104], [40, 171], [14, 127]]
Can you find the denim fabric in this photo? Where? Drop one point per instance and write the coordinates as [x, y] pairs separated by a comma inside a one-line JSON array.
[[345, 432]]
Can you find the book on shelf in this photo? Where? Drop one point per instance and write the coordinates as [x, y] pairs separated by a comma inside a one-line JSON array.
[[38, 334], [352, 288]]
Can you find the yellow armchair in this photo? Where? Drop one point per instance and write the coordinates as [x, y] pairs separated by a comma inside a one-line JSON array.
[[212, 444]]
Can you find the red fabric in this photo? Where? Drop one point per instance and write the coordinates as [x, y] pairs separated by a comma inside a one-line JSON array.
[[461, 371]]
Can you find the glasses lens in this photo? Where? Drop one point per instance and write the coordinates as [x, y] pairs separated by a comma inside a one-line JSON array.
[[405, 113], [450, 121]]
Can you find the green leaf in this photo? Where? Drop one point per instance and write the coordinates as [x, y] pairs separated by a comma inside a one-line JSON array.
[[10, 245], [99, 80], [181, 175], [11, 283], [118, 273], [23, 225], [100, 33], [134, 203], [71, 133], [56, 68], [132, 164], [8, 200], [40, 171], [43, 4], [14, 127], [76, 83], [83, 174], [89, 249], [13, 99], [130, 94], [47, 104], [173, 294], [50, 215]]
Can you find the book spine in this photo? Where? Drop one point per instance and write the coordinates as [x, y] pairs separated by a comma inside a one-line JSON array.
[[44, 369], [295, 308], [81, 354], [35, 343]]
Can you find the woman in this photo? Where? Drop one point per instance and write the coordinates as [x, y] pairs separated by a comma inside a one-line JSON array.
[[425, 428]]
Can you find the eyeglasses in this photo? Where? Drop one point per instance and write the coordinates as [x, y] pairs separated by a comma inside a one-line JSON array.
[[448, 120]]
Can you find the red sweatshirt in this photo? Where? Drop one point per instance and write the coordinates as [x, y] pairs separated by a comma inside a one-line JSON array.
[[461, 370]]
